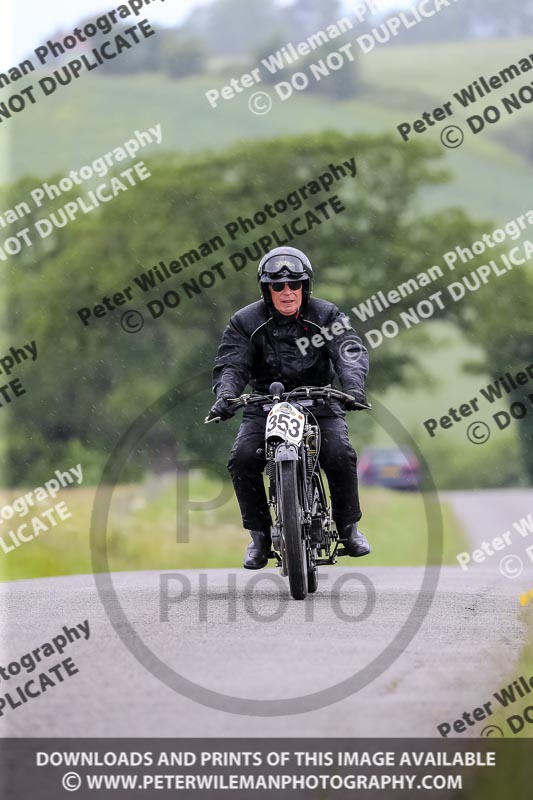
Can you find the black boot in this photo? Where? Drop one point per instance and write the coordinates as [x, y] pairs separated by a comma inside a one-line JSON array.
[[354, 541], [258, 551]]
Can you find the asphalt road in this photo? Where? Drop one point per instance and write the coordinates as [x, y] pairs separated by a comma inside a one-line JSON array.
[[236, 637]]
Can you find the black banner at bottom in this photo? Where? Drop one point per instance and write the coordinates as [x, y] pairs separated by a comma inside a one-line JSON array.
[[472, 769]]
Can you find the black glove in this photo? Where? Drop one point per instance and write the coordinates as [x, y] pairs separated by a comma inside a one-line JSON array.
[[221, 409], [358, 398]]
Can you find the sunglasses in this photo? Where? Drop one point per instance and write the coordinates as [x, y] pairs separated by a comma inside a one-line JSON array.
[[293, 286]]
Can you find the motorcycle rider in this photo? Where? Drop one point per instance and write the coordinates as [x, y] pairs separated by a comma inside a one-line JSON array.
[[259, 346]]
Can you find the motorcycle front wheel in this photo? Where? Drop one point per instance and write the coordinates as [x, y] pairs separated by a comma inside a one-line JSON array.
[[295, 549]]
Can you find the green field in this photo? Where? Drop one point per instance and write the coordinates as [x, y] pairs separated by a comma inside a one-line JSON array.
[[448, 384], [81, 122], [142, 532], [433, 72], [510, 778], [524, 667], [453, 460]]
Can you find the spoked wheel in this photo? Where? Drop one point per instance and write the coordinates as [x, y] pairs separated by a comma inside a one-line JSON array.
[[295, 549]]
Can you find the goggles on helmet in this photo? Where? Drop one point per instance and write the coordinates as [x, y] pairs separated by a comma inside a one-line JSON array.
[[283, 267]]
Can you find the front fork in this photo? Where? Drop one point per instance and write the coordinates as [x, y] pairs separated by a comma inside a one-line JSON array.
[[317, 529], [318, 532], [275, 454]]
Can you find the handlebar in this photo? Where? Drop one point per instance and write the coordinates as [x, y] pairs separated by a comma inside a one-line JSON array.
[[303, 393]]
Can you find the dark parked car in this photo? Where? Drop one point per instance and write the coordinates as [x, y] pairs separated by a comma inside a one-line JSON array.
[[389, 467]]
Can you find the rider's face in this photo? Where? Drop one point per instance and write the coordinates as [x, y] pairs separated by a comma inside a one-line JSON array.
[[288, 301]]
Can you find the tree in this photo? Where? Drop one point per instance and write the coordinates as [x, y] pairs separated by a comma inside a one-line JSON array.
[[499, 320], [238, 27], [308, 16], [180, 58], [329, 81], [141, 58], [91, 382]]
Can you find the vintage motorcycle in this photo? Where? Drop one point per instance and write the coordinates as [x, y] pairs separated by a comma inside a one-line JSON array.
[[303, 535]]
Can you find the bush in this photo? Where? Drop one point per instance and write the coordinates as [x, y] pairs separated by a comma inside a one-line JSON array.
[[179, 58], [494, 465]]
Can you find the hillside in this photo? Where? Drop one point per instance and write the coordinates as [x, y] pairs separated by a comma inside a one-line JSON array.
[[397, 84]]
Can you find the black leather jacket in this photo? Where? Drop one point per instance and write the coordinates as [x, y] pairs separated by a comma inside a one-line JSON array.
[[259, 346]]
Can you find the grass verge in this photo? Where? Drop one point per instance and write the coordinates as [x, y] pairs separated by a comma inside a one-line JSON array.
[[142, 531], [513, 774]]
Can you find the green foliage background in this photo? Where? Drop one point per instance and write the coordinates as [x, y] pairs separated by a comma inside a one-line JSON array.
[[87, 399], [409, 204]]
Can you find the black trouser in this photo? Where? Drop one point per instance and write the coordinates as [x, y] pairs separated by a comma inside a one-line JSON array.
[[337, 458]]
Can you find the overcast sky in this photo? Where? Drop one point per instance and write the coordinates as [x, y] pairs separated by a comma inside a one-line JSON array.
[[24, 24], [31, 21]]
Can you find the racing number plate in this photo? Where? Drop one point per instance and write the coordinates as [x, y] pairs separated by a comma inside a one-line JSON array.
[[285, 422]]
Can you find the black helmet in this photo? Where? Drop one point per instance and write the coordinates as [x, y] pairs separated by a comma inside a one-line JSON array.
[[285, 263]]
